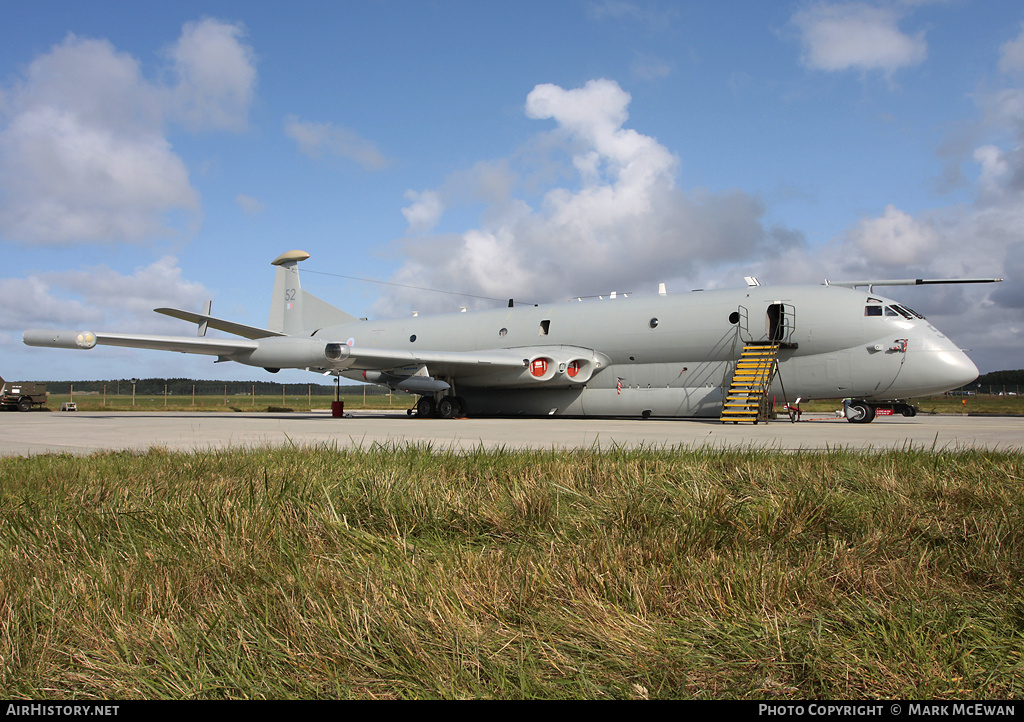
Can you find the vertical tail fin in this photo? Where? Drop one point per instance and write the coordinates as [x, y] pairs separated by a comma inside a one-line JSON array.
[[294, 311]]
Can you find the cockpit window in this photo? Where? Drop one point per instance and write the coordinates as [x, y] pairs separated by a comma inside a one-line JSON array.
[[893, 310]]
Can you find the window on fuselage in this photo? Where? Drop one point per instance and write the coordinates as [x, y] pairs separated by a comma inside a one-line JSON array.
[[872, 310]]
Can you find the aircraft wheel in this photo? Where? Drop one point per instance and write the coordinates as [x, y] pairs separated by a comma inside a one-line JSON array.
[[425, 407], [448, 407], [910, 411], [863, 413]]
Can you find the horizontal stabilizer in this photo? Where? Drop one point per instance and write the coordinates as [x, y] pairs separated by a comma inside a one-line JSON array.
[[220, 324]]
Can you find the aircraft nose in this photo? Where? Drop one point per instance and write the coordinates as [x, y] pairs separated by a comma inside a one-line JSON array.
[[934, 365], [964, 370]]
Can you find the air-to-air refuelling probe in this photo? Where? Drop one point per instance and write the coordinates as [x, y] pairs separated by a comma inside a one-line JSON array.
[[723, 353]]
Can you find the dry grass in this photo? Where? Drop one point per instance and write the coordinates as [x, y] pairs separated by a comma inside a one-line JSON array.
[[414, 572]]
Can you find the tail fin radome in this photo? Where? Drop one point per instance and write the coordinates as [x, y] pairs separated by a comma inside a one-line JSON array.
[[293, 311]]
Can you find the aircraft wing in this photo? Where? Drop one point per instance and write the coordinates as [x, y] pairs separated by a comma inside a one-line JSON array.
[[335, 354], [549, 365], [347, 356], [183, 344]]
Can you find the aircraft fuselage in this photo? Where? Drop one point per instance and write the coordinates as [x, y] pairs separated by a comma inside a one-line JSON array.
[[671, 355]]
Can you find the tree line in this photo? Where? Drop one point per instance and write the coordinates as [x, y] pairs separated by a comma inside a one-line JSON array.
[[997, 382], [186, 387], [994, 382]]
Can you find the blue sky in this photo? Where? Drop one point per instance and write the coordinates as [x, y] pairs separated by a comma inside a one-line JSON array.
[[163, 154]]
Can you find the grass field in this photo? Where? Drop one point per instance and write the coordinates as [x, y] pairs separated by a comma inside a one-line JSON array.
[[410, 572]]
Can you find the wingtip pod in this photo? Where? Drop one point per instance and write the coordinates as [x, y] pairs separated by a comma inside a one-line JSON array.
[[59, 339]]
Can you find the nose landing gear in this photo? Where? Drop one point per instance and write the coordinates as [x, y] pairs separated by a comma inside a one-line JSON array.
[[859, 411]]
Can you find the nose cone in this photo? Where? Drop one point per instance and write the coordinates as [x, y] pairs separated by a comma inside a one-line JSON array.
[[933, 365], [963, 370]]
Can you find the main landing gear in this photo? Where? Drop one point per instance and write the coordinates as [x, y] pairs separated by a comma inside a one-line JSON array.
[[447, 407], [859, 411]]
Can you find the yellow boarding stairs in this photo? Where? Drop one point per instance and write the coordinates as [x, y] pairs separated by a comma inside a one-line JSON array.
[[747, 396]]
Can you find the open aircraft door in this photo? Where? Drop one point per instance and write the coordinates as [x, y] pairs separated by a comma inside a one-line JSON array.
[[780, 322]]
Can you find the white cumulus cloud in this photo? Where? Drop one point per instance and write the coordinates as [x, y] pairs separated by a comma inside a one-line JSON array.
[[893, 238], [216, 76], [100, 298], [84, 153], [857, 36], [620, 220], [1011, 54], [425, 210]]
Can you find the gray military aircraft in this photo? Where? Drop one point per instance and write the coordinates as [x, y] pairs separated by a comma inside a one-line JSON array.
[[719, 353]]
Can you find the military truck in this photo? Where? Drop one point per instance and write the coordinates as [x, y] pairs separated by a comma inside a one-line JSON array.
[[21, 396]]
